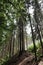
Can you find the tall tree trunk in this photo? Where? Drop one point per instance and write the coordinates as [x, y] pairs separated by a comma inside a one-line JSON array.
[[26, 39], [23, 46], [40, 38], [20, 41], [21, 35], [13, 46], [19, 26], [10, 45]]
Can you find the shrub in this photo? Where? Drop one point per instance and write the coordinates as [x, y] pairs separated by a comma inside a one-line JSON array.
[[31, 47]]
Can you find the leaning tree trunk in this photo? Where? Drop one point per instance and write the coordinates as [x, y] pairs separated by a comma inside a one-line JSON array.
[[38, 30], [33, 38], [37, 9]]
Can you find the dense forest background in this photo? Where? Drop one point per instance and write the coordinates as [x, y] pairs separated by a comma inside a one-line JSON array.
[[15, 17]]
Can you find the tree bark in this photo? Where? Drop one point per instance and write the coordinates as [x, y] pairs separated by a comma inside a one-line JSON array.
[[33, 39], [23, 46]]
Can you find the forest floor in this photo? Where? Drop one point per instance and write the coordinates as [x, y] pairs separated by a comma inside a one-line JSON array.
[[25, 59]]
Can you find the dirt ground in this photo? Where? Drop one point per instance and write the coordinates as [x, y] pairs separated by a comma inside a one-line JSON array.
[[24, 59]]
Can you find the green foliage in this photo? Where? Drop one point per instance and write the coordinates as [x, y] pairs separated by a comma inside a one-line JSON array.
[[38, 49], [10, 10], [3, 60], [31, 47]]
